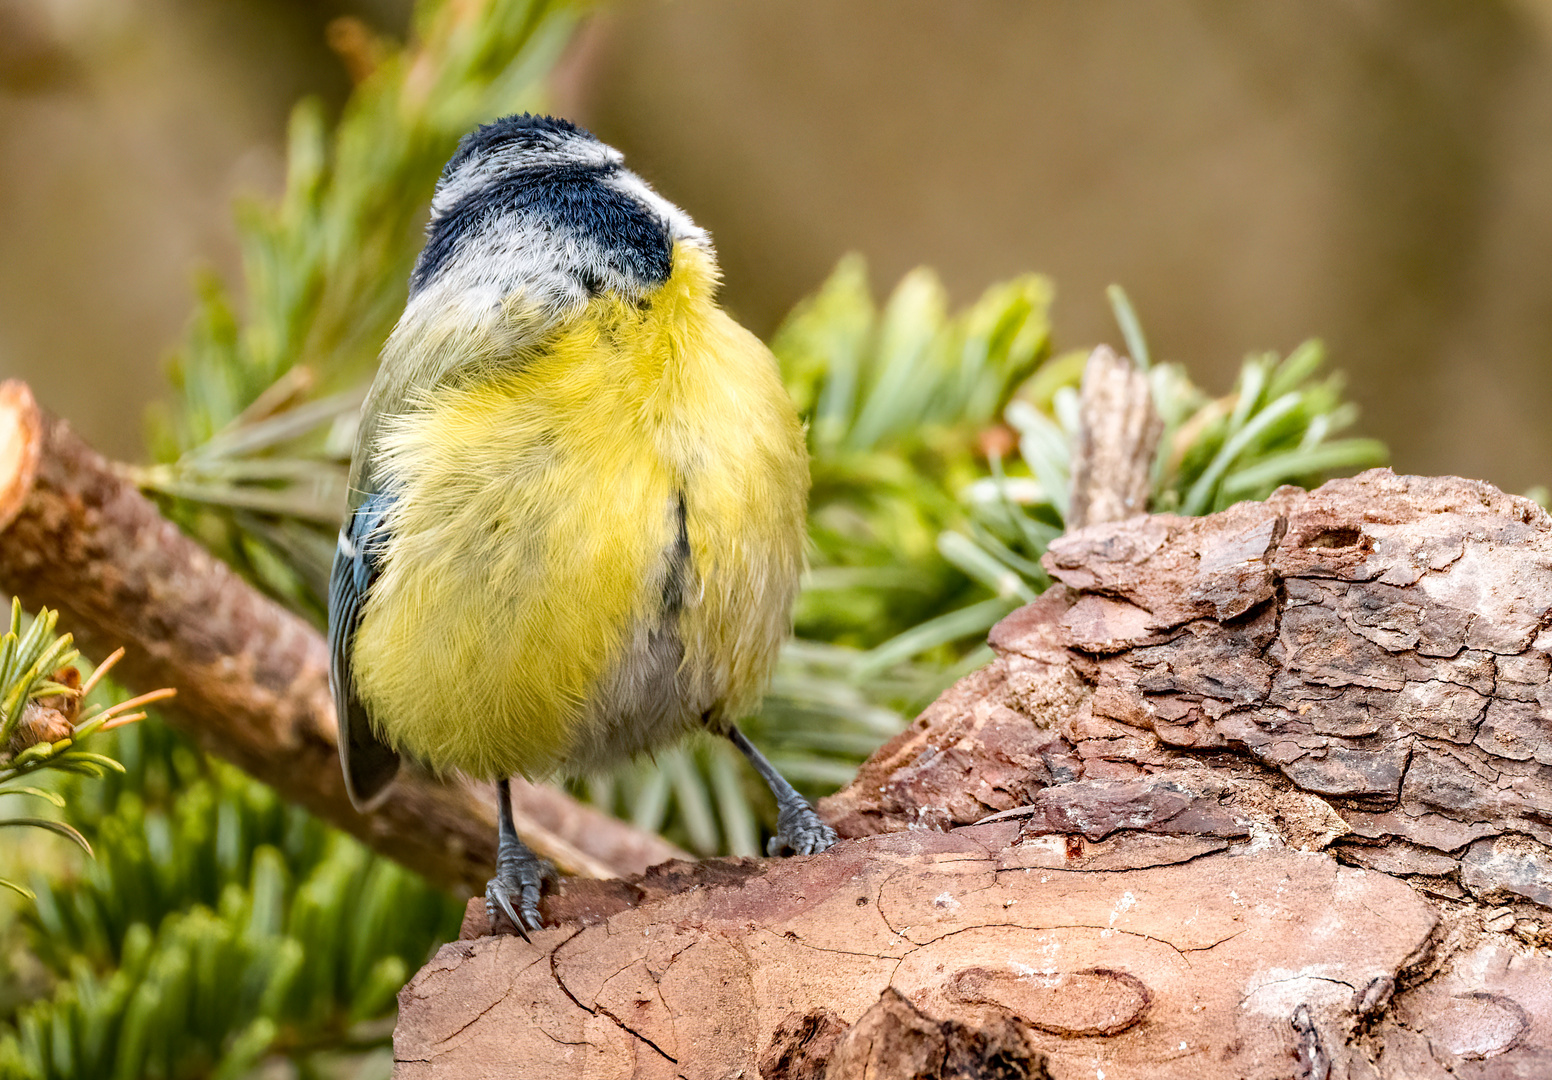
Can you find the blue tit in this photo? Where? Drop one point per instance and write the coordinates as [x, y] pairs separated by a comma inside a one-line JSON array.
[[576, 524]]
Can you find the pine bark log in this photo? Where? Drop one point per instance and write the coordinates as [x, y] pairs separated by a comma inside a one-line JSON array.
[[1262, 794], [252, 678]]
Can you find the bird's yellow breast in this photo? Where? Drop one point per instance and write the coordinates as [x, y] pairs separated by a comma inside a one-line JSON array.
[[592, 546]]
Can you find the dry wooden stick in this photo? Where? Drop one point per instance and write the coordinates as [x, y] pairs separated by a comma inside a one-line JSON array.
[[252, 677], [1113, 461]]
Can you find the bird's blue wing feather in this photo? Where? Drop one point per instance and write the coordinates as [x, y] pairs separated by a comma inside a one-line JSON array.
[[368, 762]]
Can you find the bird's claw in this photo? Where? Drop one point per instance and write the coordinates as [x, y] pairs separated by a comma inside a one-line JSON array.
[[799, 832], [522, 881]]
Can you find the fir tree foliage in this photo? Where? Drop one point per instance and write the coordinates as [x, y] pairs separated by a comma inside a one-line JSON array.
[[1276, 426], [218, 927], [894, 399]]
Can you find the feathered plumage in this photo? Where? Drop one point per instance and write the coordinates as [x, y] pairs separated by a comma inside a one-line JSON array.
[[580, 486]]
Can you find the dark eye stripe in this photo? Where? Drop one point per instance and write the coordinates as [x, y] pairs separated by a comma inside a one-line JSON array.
[[575, 199]]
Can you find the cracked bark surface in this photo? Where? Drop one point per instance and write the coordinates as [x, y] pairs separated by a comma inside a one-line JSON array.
[[1263, 794], [1070, 965]]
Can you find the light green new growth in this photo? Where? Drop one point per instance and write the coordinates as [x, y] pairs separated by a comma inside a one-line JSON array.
[[30, 660]]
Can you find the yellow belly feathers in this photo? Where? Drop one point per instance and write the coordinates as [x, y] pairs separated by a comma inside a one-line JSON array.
[[537, 507]]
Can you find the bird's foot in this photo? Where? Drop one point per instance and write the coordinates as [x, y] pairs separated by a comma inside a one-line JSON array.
[[799, 831], [515, 890]]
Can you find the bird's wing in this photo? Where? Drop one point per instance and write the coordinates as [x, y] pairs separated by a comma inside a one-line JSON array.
[[369, 763]]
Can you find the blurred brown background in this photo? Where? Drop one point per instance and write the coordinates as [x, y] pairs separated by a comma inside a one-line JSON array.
[[1374, 172]]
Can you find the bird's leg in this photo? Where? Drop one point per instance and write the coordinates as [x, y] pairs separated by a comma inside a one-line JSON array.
[[798, 829], [520, 874]]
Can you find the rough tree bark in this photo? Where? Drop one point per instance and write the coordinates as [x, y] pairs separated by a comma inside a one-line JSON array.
[[1118, 436], [252, 678], [1262, 794]]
